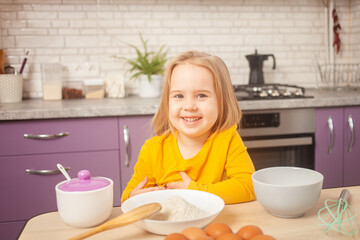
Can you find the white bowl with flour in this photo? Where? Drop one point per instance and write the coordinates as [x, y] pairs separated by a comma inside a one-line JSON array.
[[181, 208]]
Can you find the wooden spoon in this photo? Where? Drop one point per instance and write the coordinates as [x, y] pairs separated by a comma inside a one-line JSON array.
[[2, 62], [131, 216]]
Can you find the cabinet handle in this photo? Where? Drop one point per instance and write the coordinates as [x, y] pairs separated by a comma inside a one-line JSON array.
[[46, 136], [331, 129], [126, 139], [351, 126], [45, 171]]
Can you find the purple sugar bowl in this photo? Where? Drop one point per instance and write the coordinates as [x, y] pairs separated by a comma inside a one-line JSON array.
[[85, 201]]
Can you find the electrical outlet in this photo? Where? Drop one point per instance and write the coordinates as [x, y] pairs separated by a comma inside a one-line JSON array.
[[80, 70]]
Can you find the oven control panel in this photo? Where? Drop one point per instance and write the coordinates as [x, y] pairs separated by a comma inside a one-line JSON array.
[[260, 120]]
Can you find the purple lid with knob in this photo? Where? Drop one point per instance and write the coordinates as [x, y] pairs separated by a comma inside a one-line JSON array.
[[84, 183]]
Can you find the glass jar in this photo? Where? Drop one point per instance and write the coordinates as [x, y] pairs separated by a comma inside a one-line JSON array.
[[94, 88], [73, 90], [51, 74]]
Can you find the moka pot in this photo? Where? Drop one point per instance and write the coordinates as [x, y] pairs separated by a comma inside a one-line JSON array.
[[256, 64]]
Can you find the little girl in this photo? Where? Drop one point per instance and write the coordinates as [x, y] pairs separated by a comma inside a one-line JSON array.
[[197, 145]]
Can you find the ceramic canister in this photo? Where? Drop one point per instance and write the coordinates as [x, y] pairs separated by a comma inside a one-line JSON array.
[[85, 201]]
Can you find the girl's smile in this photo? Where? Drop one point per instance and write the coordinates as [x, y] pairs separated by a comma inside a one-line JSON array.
[[193, 105], [188, 119], [191, 121]]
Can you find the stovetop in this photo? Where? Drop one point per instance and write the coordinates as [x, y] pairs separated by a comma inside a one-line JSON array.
[[269, 92]]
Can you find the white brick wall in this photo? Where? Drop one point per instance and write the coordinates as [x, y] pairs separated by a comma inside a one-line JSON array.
[[70, 31]]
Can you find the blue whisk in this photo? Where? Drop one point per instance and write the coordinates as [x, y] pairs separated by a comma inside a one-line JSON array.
[[339, 215]]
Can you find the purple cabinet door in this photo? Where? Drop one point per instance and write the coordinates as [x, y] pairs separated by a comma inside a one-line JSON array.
[[25, 195], [139, 129], [330, 164], [87, 134], [352, 153]]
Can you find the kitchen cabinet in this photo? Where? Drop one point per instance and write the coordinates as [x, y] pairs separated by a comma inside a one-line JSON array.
[[52, 136], [30, 147], [352, 146], [138, 130], [31, 194], [89, 143], [337, 145]]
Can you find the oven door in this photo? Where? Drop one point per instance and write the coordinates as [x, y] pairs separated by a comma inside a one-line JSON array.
[[295, 150], [282, 137]]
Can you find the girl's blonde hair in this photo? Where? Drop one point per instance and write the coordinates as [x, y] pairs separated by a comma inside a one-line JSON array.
[[228, 107]]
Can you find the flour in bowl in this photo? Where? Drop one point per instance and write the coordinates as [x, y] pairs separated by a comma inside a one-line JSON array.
[[176, 208]]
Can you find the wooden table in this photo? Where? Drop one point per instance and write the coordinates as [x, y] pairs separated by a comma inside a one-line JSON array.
[[50, 226]]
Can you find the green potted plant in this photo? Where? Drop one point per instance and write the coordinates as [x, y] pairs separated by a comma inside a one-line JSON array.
[[148, 67]]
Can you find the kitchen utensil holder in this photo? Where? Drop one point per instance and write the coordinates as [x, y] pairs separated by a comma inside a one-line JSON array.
[[339, 75], [11, 88]]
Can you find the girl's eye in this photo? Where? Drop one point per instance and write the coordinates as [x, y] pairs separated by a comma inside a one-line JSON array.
[[202, 96], [178, 96]]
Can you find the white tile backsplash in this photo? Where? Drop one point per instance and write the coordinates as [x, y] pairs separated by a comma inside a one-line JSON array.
[[81, 31]]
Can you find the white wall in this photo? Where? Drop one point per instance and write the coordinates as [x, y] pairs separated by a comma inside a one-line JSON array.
[[355, 28], [70, 31]]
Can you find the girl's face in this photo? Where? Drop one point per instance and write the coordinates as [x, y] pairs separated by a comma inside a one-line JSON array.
[[193, 105]]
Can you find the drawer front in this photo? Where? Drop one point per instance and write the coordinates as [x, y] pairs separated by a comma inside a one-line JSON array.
[[83, 134], [25, 195]]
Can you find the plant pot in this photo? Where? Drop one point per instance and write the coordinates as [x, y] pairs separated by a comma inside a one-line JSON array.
[[150, 89]]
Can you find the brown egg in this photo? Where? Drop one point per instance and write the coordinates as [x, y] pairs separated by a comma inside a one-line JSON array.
[[204, 238], [193, 232], [229, 236], [262, 237], [215, 230], [176, 236], [249, 231]]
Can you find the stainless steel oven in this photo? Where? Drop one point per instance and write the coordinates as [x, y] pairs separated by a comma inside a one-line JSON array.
[[283, 137]]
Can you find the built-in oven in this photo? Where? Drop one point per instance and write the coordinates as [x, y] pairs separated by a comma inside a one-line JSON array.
[[283, 137]]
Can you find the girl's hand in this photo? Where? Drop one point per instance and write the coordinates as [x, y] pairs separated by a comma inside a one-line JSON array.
[[140, 188], [180, 185]]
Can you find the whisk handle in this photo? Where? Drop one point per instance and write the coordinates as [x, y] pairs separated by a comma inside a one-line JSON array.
[[344, 196]]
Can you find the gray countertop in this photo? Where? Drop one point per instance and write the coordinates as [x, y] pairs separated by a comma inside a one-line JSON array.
[[133, 105]]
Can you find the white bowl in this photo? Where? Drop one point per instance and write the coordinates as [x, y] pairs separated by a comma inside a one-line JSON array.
[[85, 209], [203, 200], [287, 192]]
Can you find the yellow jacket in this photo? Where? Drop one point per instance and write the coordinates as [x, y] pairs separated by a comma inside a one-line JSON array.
[[222, 167]]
